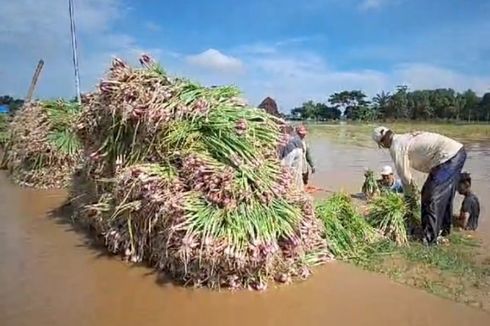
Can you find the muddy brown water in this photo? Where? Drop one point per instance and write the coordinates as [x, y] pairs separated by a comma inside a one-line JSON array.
[[50, 276]]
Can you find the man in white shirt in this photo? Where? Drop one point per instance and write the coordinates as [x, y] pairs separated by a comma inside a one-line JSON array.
[[439, 156], [291, 155], [307, 160]]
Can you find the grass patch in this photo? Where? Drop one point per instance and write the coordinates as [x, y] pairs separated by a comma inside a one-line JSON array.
[[450, 271]]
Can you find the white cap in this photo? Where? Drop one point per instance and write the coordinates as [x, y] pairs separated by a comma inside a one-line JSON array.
[[387, 170], [378, 133]]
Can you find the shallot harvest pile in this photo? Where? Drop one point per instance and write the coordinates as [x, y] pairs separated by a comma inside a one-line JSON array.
[[42, 150], [187, 179]]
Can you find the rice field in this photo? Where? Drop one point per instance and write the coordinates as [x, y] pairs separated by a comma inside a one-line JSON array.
[[359, 134]]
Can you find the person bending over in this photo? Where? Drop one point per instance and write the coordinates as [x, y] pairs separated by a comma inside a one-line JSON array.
[[442, 158]]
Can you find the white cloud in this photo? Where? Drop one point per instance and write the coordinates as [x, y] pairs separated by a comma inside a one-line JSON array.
[[295, 77], [291, 77], [214, 60], [427, 76], [33, 30]]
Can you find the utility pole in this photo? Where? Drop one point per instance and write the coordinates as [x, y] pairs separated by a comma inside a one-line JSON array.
[[35, 77], [74, 50]]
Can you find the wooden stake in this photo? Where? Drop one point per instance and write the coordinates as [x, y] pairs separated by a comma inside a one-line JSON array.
[[34, 80]]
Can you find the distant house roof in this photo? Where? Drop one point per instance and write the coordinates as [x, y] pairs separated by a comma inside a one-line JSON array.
[[270, 106], [4, 108]]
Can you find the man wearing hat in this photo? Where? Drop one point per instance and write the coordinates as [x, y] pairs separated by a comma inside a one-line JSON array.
[[388, 180], [307, 160], [442, 158]]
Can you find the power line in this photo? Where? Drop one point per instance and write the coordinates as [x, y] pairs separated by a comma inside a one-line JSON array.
[[74, 49]]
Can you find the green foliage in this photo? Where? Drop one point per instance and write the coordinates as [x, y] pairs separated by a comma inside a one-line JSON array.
[[403, 104], [387, 213], [62, 115], [484, 108], [453, 259], [349, 236], [452, 271], [353, 103], [66, 141], [316, 111], [370, 186]]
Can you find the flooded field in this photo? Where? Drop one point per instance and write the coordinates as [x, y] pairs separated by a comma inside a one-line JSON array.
[[50, 275]]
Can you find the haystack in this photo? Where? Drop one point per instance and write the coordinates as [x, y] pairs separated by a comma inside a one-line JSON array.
[[42, 149], [186, 178]]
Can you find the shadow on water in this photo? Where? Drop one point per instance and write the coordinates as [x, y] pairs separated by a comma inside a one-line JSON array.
[[63, 215]]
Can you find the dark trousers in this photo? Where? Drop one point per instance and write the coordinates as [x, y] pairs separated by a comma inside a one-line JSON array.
[[306, 178], [438, 195]]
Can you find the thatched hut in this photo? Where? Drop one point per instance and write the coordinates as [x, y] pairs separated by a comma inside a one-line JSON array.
[[270, 106]]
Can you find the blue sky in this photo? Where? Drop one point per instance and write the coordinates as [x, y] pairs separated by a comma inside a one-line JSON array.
[[289, 50]]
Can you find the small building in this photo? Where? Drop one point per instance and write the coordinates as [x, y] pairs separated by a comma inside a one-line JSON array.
[[270, 106]]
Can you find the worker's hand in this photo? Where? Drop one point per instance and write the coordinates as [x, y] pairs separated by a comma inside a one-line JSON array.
[[313, 170]]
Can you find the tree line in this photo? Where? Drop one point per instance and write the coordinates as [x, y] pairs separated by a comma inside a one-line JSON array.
[[402, 104]]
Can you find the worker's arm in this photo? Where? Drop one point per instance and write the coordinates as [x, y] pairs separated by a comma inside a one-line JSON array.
[[282, 152], [464, 217], [309, 159], [465, 212]]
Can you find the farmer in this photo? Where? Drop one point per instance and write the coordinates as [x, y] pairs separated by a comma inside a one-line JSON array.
[[307, 160], [291, 155], [439, 156], [388, 180]]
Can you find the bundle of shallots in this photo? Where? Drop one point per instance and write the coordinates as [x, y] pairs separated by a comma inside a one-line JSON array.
[[42, 149], [187, 178]]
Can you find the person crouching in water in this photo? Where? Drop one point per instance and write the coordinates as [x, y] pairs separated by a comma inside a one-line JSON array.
[[470, 208], [442, 158], [307, 160], [291, 156], [389, 182]]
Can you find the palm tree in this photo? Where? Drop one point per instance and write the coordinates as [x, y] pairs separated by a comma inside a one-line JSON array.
[[382, 101]]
